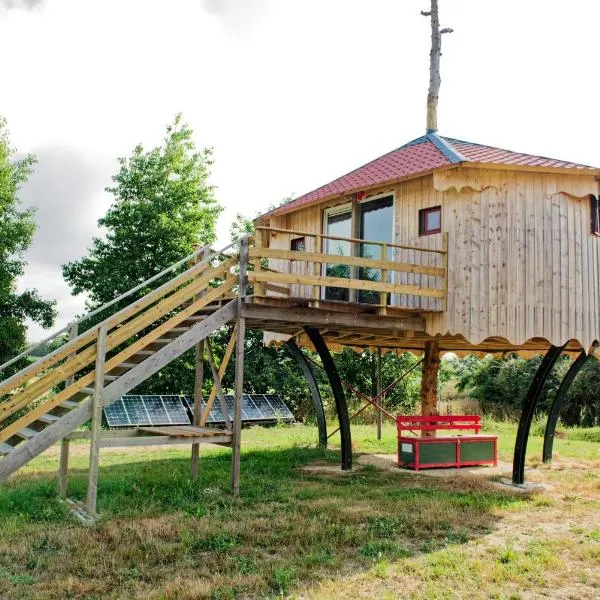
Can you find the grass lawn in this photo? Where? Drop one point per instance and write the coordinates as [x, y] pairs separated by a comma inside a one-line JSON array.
[[370, 534]]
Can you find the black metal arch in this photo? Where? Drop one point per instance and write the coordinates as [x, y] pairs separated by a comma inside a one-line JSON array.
[[529, 406], [559, 399], [314, 389], [338, 394]]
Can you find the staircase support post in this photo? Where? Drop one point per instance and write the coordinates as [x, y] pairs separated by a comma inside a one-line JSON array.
[[338, 394], [379, 414], [198, 383], [63, 468], [529, 406], [240, 343], [314, 390], [559, 399], [97, 402]]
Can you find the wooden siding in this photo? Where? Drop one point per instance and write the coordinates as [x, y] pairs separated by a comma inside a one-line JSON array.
[[522, 262]]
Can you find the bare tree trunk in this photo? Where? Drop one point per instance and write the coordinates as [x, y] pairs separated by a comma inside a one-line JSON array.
[[435, 79]]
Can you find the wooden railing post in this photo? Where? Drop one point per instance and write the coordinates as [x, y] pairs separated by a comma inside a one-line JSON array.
[[63, 468], [239, 370], [383, 297], [259, 242], [198, 383], [445, 267], [317, 268], [97, 405]]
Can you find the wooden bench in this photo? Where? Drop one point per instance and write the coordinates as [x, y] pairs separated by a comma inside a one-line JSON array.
[[447, 451]]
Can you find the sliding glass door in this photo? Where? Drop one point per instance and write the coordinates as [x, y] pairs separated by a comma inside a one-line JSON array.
[[377, 225], [338, 222]]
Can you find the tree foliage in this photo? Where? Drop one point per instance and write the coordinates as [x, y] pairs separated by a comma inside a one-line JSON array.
[[163, 207], [17, 227]]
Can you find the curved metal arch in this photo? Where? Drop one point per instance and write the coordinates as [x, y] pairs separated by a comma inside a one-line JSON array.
[[314, 389], [338, 394], [529, 406], [561, 394]]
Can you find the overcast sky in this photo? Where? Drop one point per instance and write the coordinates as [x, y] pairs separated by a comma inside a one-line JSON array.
[[290, 93]]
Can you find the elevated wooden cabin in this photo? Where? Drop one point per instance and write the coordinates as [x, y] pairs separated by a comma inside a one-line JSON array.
[[494, 250]]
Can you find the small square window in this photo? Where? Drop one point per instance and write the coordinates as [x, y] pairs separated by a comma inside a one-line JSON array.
[[594, 215], [298, 244], [430, 220]]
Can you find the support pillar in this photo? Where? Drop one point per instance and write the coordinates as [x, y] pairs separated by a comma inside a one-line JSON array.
[[240, 343], [97, 404], [338, 394], [63, 468], [378, 413], [314, 390], [198, 383], [528, 412], [558, 403], [429, 381]]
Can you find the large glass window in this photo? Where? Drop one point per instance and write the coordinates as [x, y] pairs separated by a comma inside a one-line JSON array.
[[377, 225], [338, 222]]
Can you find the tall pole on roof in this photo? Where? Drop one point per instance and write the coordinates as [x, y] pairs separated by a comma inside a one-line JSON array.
[[434, 65]]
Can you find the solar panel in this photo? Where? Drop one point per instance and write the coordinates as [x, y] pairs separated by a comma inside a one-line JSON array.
[[250, 409], [178, 415], [116, 415], [136, 410], [264, 406], [156, 410], [172, 410], [279, 405]]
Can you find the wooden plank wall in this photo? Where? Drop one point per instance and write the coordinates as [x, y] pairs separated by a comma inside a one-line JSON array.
[[522, 261]]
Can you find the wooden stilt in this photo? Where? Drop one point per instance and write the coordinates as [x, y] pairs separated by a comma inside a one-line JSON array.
[[239, 370], [63, 468], [198, 383], [96, 422], [379, 388], [429, 381]]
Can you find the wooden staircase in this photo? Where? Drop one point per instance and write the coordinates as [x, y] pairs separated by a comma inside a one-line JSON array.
[[52, 397]]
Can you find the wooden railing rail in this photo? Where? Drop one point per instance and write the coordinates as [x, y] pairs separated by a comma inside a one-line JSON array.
[[348, 239], [176, 300], [270, 279]]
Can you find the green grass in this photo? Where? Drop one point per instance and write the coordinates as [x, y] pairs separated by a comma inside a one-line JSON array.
[[372, 533]]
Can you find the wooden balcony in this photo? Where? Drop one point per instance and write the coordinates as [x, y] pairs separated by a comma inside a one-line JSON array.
[[361, 272]]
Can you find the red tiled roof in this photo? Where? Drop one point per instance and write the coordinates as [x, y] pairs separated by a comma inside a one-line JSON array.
[[417, 158]]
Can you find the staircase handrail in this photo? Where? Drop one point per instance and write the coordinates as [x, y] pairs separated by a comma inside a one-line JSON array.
[[194, 255]]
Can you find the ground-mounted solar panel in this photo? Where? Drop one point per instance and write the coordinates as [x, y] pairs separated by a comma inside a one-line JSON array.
[[136, 410], [279, 406], [156, 410], [250, 409], [116, 415], [176, 410], [266, 410]]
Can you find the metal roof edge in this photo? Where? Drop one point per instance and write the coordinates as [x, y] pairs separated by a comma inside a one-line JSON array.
[[453, 155]]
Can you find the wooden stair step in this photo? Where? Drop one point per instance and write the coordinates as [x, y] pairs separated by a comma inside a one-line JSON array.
[[127, 365], [111, 377], [6, 448], [179, 330], [48, 418], [27, 433], [69, 404], [88, 391], [144, 353]]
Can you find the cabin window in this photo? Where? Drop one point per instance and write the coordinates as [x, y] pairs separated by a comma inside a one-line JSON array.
[[298, 244], [595, 215], [430, 220]]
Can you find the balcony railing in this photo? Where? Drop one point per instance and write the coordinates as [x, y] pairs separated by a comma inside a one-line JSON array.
[[371, 271]]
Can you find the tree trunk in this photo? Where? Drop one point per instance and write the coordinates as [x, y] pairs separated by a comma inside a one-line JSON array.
[[434, 69], [429, 382]]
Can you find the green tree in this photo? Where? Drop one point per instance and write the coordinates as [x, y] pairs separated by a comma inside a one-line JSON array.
[[17, 227], [163, 207]]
